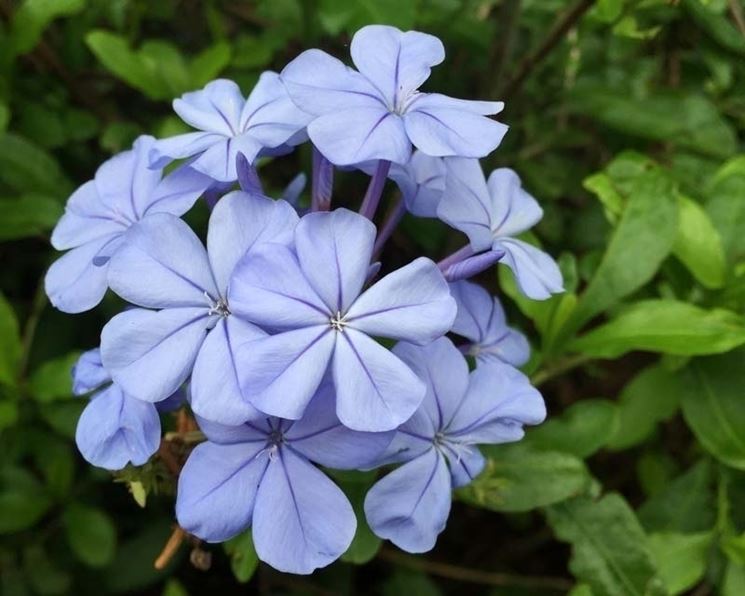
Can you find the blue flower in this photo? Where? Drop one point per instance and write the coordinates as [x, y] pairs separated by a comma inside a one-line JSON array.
[[491, 213], [377, 112], [410, 505], [231, 125], [260, 475], [114, 428], [313, 298], [481, 319], [98, 215], [164, 266]]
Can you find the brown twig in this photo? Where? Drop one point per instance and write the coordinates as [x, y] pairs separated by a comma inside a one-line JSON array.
[[737, 14], [168, 458], [171, 548], [475, 576], [563, 23]]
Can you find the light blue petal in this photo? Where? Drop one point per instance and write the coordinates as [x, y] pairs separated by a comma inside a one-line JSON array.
[[302, 520], [410, 506], [465, 462], [536, 273], [216, 108], [513, 210], [177, 192], [164, 151], [88, 373]]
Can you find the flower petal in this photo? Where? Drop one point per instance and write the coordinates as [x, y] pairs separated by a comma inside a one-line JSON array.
[[375, 391], [536, 273], [334, 250], [513, 210], [73, 283], [466, 203], [320, 84], [353, 135], [217, 489], [115, 429], [216, 108], [280, 374], [88, 373], [269, 288], [218, 161], [177, 192], [465, 462], [162, 264], [396, 62], [151, 353], [411, 304], [441, 126], [499, 401], [215, 388], [472, 265], [164, 151], [321, 437], [302, 520], [241, 221], [445, 372], [410, 506], [256, 431]]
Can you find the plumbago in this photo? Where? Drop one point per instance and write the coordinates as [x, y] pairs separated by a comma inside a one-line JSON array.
[[274, 326]]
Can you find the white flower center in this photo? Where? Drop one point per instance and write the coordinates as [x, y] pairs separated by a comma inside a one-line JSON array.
[[337, 322], [217, 307]]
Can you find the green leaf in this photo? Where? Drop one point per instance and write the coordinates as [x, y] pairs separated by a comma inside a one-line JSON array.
[[517, 478], [169, 66], [581, 430], [4, 116], [209, 63], [174, 587], [608, 10], [680, 558], [28, 169], [650, 397], [665, 326], [33, 16], [28, 215], [734, 580], [90, 533], [726, 208], [243, 558], [365, 544], [686, 505], [44, 576], [698, 245], [641, 241], [609, 548], [714, 407], [23, 501], [10, 343], [53, 379], [409, 582], [717, 26], [63, 415]]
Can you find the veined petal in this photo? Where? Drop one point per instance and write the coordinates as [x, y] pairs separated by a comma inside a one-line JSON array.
[[269, 115], [499, 401], [177, 192], [218, 160], [511, 347], [354, 135], [162, 264], [88, 373], [269, 288], [216, 108], [465, 462], [466, 203], [302, 520], [73, 283], [438, 127], [513, 210], [536, 273], [375, 390], [85, 219], [320, 84], [126, 182], [396, 62], [321, 437], [115, 429], [411, 304], [445, 372], [217, 489], [241, 221], [189, 144], [410, 506], [334, 250], [215, 387], [256, 431], [151, 353], [280, 373]]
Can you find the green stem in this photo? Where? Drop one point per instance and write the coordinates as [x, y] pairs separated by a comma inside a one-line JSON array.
[[559, 368], [29, 331]]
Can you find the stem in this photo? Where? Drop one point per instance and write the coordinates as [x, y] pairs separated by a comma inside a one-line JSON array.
[[456, 257], [171, 548], [375, 189], [475, 576], [29, 331], [389, 225], [563, 23], [322, 183], [549, 373]]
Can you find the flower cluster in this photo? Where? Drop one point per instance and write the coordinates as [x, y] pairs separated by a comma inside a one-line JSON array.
[[282, 337]]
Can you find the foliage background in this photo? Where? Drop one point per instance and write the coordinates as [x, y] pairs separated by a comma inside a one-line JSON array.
[[627, 121]]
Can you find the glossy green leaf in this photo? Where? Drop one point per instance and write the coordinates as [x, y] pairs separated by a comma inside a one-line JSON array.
[[713, 405], [517, 478], [32, 18], [610, 551], [698, 245], [10, 343], [23, 500], [53, 379], [28, 215], [243, 559], [90, 533], [209, 63], [726, 208], [657, 326], [28, 169], [680, 558], [365, 544]]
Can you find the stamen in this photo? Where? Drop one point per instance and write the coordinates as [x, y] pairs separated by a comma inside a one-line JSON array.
[[337, 322], [218, 307]]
